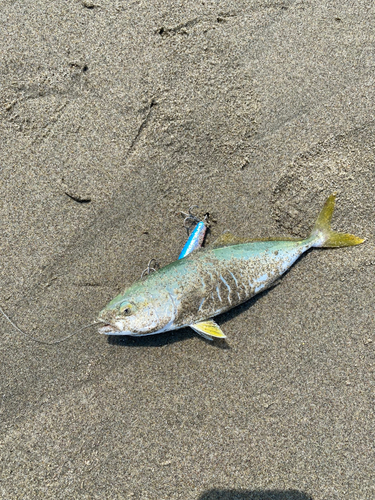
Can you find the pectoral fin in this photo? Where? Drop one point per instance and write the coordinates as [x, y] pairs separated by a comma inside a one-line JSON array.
[[208, 329]]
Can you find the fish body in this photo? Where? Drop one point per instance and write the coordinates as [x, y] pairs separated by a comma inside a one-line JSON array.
[[193, 290]]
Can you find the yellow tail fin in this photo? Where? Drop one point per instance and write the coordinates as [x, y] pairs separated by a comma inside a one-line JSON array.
[[322, 228]]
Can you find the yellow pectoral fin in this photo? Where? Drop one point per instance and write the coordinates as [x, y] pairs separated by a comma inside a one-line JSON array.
[[208, 329]]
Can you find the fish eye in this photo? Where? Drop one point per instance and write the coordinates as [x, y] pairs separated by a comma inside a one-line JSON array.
[[125, 308]]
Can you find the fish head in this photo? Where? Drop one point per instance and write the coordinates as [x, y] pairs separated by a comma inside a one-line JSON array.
[[138, 314]]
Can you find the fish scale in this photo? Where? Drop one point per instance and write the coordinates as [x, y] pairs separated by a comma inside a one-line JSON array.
[[256, 265]]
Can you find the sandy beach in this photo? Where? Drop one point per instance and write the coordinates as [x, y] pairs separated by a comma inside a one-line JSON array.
[[114, 117]]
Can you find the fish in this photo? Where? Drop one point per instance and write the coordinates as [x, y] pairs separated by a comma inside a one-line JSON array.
[[191, 291]]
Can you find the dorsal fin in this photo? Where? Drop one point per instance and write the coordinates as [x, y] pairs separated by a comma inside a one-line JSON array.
[[227, 239]]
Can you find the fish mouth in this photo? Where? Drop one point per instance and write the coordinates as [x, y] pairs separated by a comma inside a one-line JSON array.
[[108, 329]]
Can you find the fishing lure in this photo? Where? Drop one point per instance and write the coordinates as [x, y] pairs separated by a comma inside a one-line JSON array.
[[196, 238], [194, 289], [194, 241]]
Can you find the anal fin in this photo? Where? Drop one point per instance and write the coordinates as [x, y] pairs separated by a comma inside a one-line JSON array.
[[208, 329]]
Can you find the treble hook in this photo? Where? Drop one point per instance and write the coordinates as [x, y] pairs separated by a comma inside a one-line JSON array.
[[150, 269], [191, 219]]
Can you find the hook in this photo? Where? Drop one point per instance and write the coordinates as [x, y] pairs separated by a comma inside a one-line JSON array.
[[150, 269], [191, 219]]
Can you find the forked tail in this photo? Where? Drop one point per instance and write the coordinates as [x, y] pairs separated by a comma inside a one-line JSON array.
[[327, 237]]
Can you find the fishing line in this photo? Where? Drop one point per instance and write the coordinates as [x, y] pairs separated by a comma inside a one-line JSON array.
[[45, 342]]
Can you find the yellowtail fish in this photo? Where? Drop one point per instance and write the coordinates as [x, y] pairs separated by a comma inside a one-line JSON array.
[[210, 281]]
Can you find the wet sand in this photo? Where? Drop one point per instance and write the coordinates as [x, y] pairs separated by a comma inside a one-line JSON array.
[[114, 117]]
